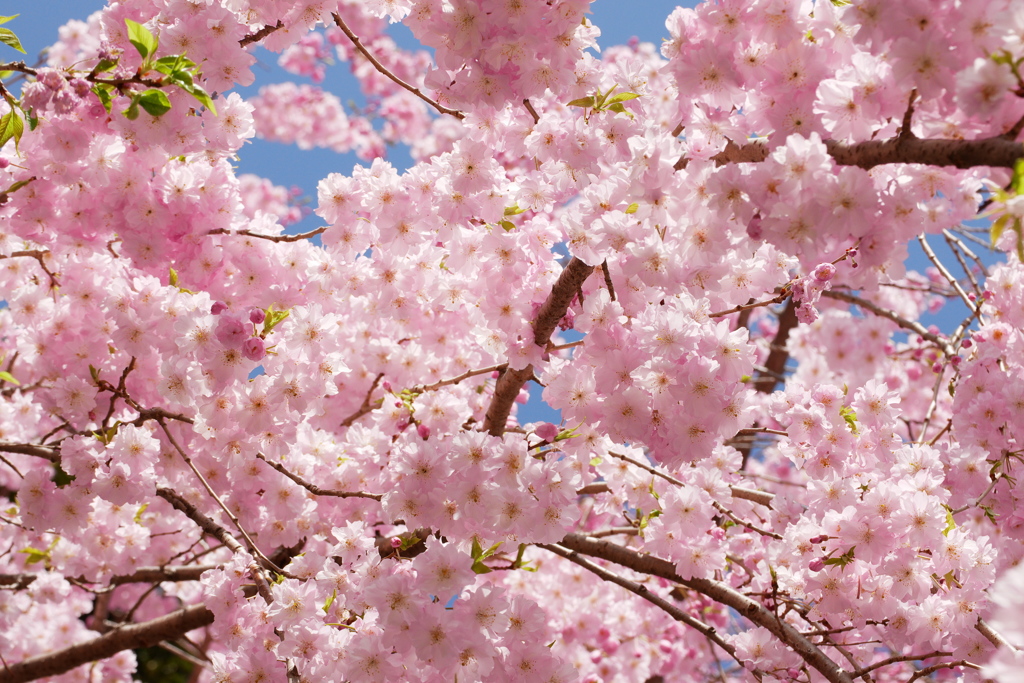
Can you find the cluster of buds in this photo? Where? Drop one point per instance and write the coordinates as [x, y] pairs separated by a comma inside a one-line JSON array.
[[233, 333]]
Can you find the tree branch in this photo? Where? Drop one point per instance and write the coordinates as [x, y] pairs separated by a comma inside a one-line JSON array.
[[131, 637], [552, 310], [720, 592], [141, 575], [313, 488], [708, 632], [994, 152], [261, 34], [384, 70], [911, 325]]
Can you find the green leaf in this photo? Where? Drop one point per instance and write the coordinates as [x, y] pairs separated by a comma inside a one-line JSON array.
[[173, 279], [132, 112], [140, 36], [513, 210], [508, 226], [141, 511], [183, 79], [8, 377], [841, 561], [155, 102], [622, 97], [272, 319], [850, 415], [632, 208], [583, 102], [996, 231], [481, 568], [950, 522], [617, 107], [330, 601], [8, 38], [103, 93], [104, 65], [1017, 183], [4, 20], [201, 95], [11, 126], [596, 460], [36, 556]]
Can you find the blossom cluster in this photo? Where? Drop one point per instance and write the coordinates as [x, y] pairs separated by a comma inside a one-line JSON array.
[[766, 462]]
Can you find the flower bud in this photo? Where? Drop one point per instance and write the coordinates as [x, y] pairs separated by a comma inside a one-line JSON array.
[[254, 349], [231, 332], [816, 565], [257, 316], [824, 272], [218, 307], [423, 430]]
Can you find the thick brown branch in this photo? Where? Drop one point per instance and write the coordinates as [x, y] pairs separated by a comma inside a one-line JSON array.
[[553, 309], [719, 592], [45, 452], [141, 575], [132, 637], [994, 152], [384, 70], [777, 357]]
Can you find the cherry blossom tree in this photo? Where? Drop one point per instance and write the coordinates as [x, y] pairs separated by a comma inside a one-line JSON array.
[[302, 456]]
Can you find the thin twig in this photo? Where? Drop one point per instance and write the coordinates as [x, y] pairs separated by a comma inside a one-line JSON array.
[[384, 70], [272, 238], [313, 488], [608, 280], [455, 380], [748, 306], [896, 659], [367, 406], [945, 272], [533, 112], [38, 255], [905, 133], [250, 544], [261, 34], [911, 325]]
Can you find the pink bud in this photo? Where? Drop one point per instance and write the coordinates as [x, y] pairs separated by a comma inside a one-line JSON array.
[[218, 307], [824, 272], [547, 431], [254, 349], [257, 316], [387, 386], [423, 430], [231, 332], [396, 542], [937, 367], [966, 343], [816, 565]]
